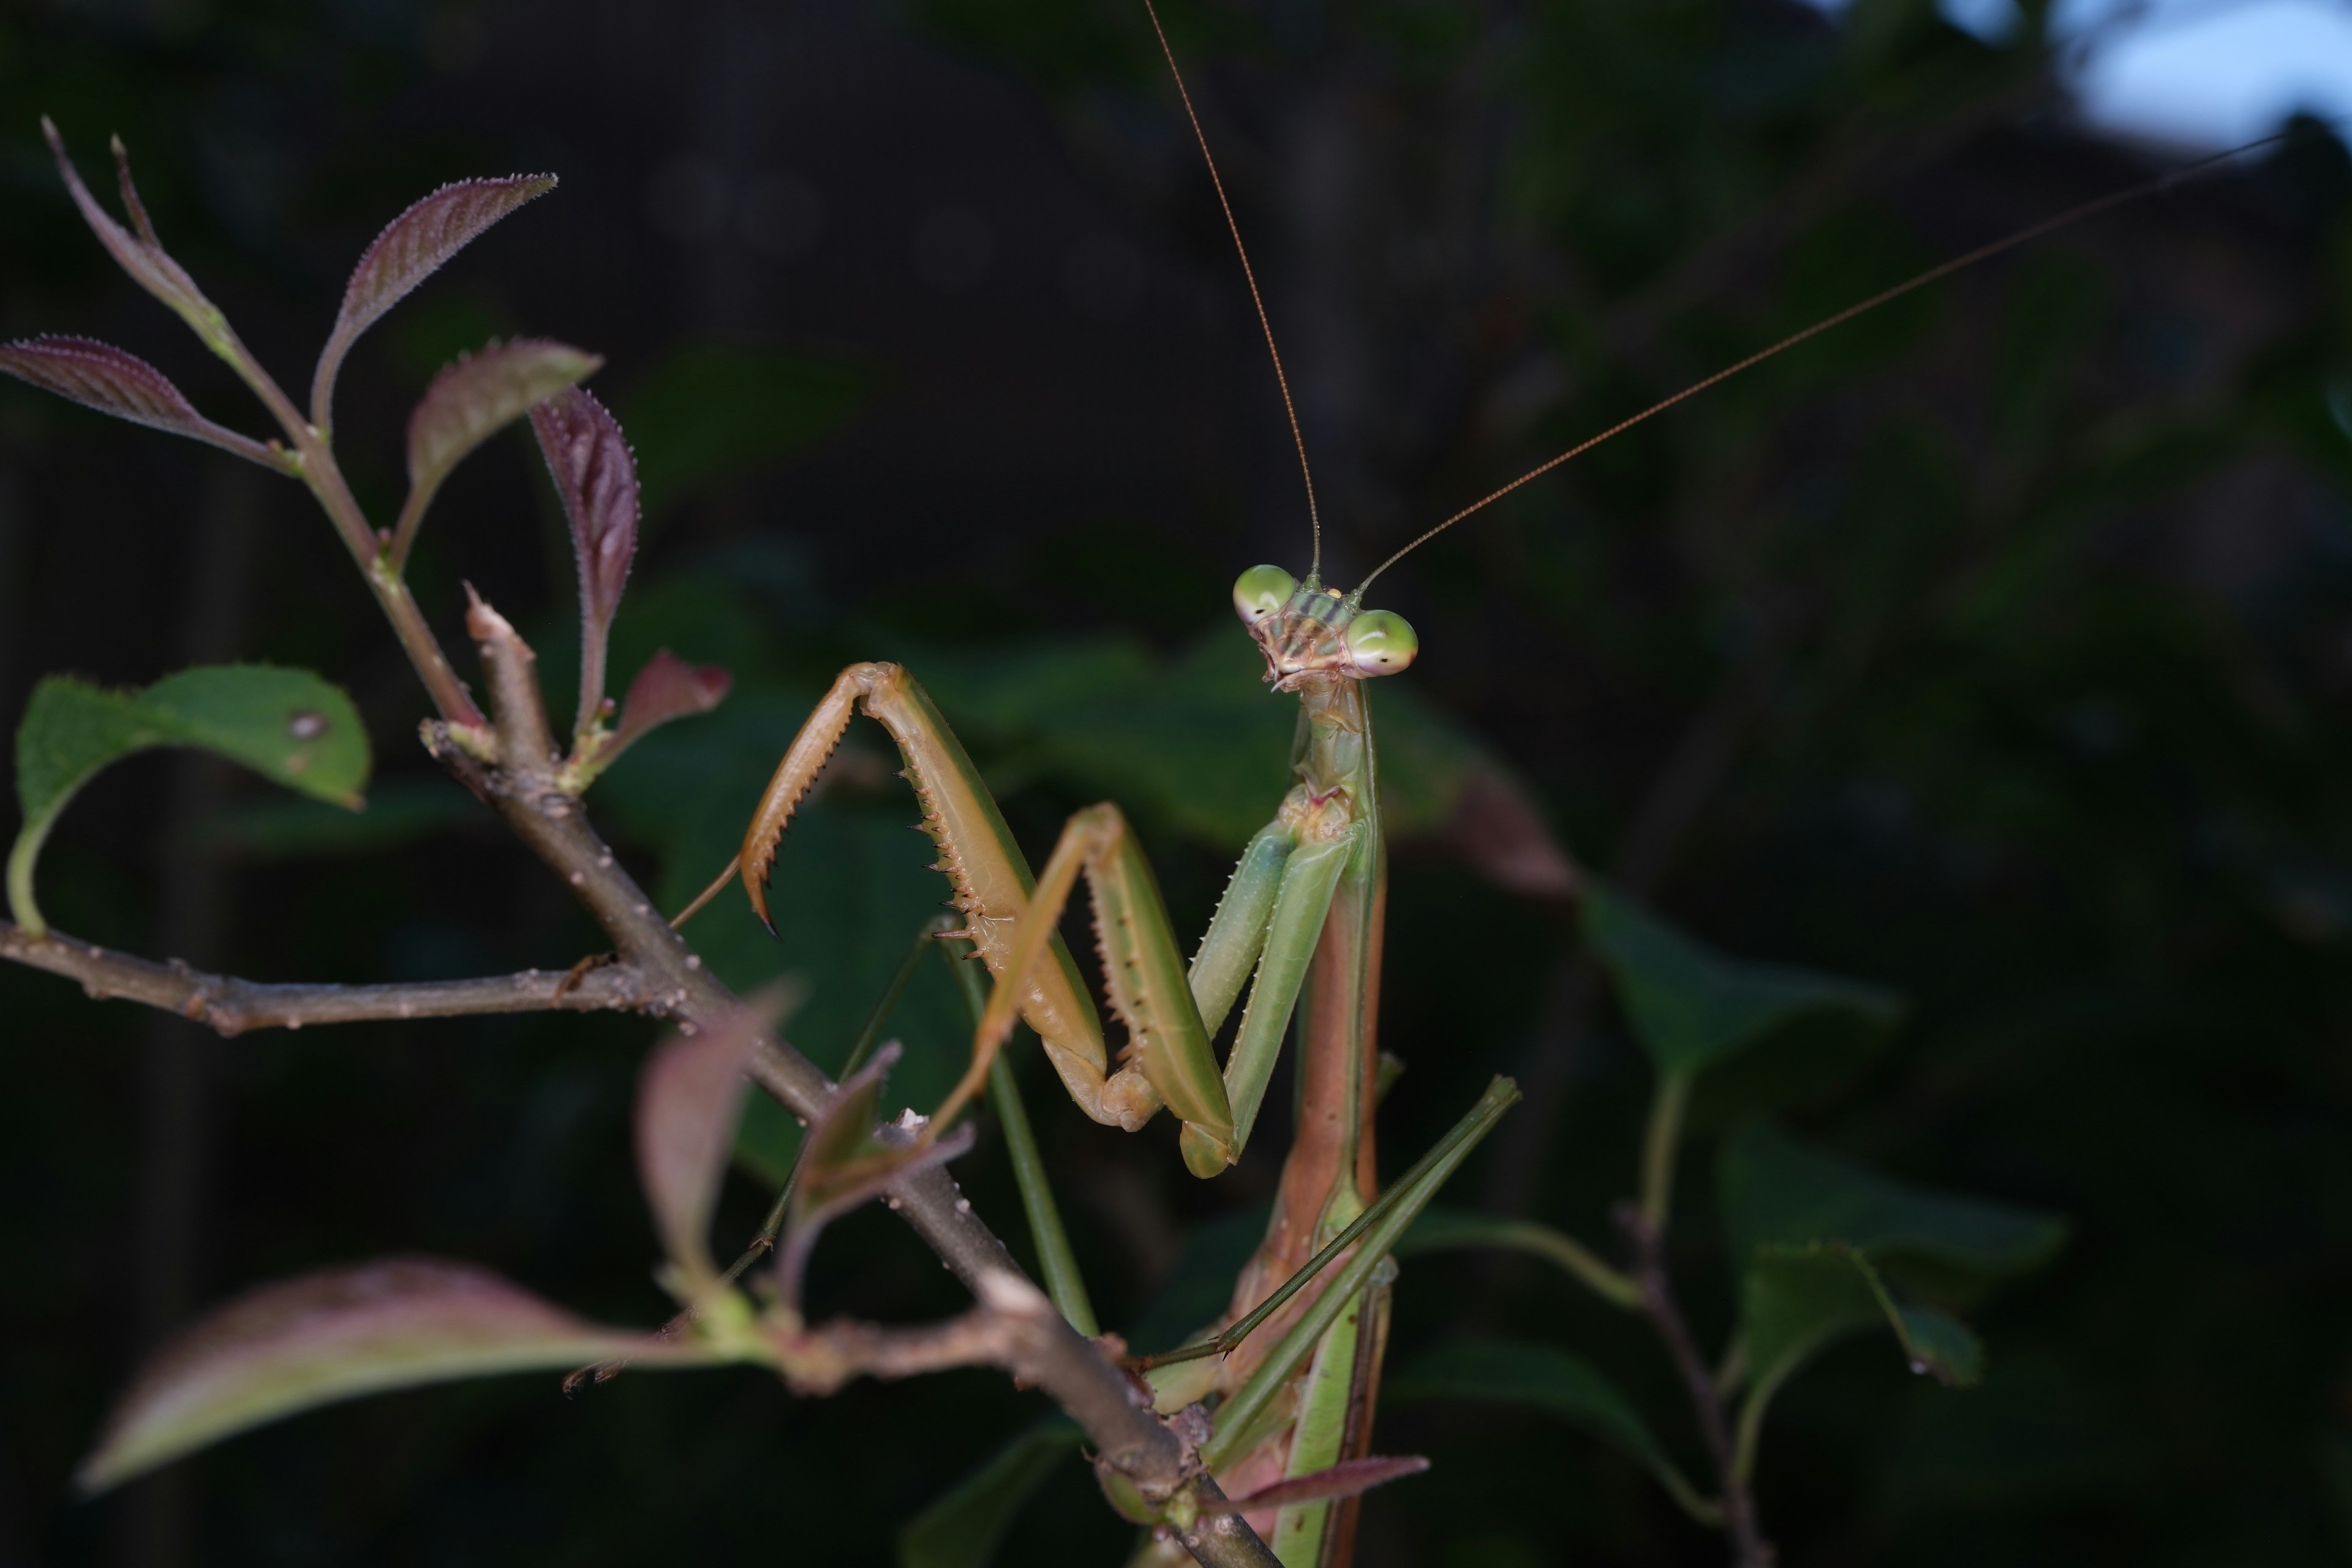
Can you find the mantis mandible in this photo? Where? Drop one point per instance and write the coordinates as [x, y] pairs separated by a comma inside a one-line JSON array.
[[1300, 927]]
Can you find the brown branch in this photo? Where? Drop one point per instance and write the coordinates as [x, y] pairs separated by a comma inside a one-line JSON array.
[[1749, 1549], [229, 1006], [524, 788]]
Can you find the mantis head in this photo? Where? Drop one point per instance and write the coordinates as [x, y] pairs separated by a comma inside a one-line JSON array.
[[1307, 630]]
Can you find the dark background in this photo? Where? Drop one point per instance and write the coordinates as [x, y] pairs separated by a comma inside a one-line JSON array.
[[1996, 648]]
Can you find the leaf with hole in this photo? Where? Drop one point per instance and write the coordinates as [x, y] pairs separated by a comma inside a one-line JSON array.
[[287, 725], [1752, 1035], [335, 1335]]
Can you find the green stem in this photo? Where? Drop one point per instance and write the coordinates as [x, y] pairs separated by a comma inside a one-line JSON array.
[[1660, 1144], [1751, 1427], [20, 877], [1054, 1259], [1614, 1286]]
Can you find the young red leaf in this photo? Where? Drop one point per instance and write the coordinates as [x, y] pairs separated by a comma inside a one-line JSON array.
[[596, 476], [139, 254], [688, 1100], [101, 376], [667, 687], [470, 401], [411, 248], [1341, 1481], [346, 1331]]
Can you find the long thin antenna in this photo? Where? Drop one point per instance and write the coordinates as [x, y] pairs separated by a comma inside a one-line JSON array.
[[1945, 270], [1314, 518]]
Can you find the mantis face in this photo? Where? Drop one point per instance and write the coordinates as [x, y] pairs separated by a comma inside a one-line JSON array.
[[1309, 631]]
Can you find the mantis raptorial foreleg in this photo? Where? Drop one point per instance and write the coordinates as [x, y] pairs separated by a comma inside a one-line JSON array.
[[990, 879], [1270, 920]]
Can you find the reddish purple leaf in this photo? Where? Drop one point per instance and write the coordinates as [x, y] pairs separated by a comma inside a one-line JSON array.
[[1341, 1481], [667, 687], [333, 1335], [137, 254], [101, 376], [474, 398], [596, 477], [1497, 829], [688, 1100], [411, 248]]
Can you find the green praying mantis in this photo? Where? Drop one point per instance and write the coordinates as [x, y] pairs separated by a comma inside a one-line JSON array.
[[1300, 927], [1303, 913]]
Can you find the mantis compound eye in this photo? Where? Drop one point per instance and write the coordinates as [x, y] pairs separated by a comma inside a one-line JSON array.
[[1380, 643], [1261, 591]]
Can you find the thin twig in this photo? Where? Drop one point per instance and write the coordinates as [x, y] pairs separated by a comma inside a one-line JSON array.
[[1749, 1549], [229, 1006]]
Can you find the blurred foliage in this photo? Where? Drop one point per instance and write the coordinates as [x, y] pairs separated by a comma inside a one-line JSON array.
[[2013, 618]]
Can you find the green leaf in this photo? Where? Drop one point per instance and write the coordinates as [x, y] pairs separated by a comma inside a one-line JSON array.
[[964, 1528], [1798, 1300], [714, 411], [1547, 1378], [1779, 1191], [287, 725], [1824, 1241], [1754, 1035], [340, 1333], [1200, 744]]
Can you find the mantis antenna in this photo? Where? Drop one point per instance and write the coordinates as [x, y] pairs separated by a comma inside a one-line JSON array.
[[1945, 270], [1314, 519]]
